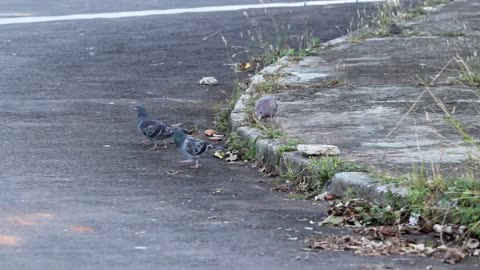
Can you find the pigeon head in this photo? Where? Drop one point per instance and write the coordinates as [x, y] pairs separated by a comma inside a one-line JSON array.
[[142, 112], [179, 135], [259, 113]]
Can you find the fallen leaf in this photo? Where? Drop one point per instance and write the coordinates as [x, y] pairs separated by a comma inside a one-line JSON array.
[[281, 187], [329, 197], [333, 220], [219, 154], [453, 256], [389, 230], [209, 132], [246, 66], [232, 157]]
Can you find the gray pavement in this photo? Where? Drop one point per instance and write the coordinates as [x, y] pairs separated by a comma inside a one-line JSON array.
[[378, 114], [79, 191], [59, 7]]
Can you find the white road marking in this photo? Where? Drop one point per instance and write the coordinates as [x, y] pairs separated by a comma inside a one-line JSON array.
[[115, 15]]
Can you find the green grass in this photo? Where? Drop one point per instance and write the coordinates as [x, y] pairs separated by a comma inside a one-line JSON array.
[[432, 3], [319, 171], [455, 200], [222, 113], [289, 145], [413, 13], [376, 25], [469, 72], [270, 130], [245, 150], [284, 43], [453, 34], [442, 199]]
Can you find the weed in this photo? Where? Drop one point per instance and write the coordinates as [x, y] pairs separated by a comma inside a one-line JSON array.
[[440, 199], [453, 34], [469, 72], [270, 130], [394, 200], [245, 150], [455, 200], [270, 83], [349, 194], [283, 43], [432, 3], [289, 145], [320, 171], [222, 114], [373, 215], [385, 21], [413, 13]]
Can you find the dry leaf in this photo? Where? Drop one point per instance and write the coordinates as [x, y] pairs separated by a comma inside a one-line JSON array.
[[333, 220], [454, 256], [219, 154], [209, 132]]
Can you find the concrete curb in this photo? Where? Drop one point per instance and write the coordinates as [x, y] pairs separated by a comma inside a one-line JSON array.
[[268, 154]]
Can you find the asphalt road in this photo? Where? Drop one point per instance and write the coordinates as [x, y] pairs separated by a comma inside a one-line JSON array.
[[77, 189]]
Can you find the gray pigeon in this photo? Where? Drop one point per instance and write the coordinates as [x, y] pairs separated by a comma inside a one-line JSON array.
[[154, 130], [266, 107], [189, 146]]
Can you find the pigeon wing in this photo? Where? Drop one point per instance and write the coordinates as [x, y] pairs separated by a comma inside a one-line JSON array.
[[150, 128], [195, 147]]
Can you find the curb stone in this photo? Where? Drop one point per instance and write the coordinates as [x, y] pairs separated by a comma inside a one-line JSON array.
[[268, 155], [365, 187]]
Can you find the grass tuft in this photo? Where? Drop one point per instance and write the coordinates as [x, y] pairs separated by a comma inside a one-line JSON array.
[[245, 150], [222, 113]]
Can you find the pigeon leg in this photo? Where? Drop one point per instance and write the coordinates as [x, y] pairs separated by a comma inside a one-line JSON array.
[[196, 166], [155, 146], [145, 141], [164, 143]]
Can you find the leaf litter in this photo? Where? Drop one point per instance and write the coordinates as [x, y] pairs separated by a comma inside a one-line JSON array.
[[384, 231]]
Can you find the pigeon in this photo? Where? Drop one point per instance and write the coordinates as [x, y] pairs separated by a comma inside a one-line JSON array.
[[266, 107], [154, 130], [190, 147]]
